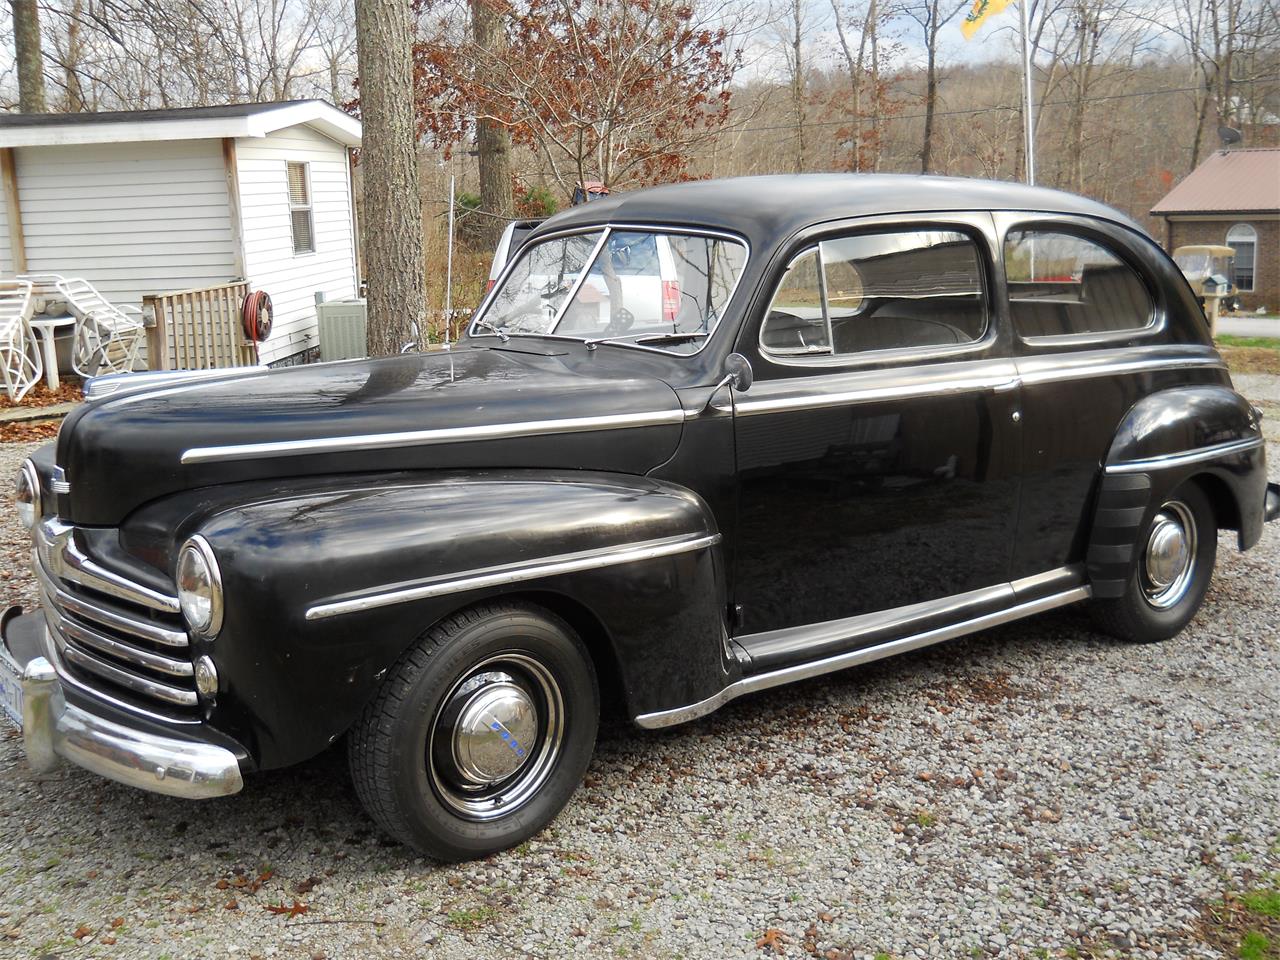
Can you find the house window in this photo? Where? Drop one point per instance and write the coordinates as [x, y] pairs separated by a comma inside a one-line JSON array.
[[304, 234], [1243, 239]]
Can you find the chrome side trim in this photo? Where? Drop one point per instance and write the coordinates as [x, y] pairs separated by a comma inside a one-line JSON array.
[[866, 386], [804, 671], [1057, 367], [850, 628], [110, 618], [516, 572], [56, 549], [418, 438], [180, 768], [1198, 455]]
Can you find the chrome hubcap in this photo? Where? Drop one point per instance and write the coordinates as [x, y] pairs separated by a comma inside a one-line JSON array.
[[496, 737], [1169, 558], [494, 732]]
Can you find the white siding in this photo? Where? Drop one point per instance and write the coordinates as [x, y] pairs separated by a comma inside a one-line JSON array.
[[131, 218], [270, 263]]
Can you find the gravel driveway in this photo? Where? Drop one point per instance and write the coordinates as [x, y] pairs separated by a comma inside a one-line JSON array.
[[1035, 790]]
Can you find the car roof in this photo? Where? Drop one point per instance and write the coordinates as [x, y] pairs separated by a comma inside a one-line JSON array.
[[767, 209]]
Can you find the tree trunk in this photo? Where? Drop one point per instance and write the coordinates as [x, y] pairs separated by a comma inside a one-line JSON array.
[[493, 141], [797, 85], [930, 103], [71, 68], [392, 196], [26, 41]]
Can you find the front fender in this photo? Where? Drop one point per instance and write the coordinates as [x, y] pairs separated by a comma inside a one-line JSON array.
[[326, 588]]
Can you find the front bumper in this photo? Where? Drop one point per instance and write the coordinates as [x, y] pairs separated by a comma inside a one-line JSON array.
[[53, 728]]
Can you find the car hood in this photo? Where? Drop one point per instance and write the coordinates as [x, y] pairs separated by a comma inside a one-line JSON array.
[[472, 408]]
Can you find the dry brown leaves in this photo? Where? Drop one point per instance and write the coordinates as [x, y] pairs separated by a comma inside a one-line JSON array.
[[289, 912], [773, 941], [28, 431], [42, 396]]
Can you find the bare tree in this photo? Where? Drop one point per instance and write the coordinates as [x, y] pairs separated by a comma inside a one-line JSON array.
[[26, 42], [392, 201], [931, 16]]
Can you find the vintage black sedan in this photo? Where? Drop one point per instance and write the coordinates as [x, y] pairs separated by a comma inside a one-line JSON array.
[[698, 441]]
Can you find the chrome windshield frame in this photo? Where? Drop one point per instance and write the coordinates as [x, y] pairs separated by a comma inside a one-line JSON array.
[[608, 228]]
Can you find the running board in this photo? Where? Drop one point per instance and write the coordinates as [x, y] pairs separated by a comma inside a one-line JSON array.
[[817, 668]]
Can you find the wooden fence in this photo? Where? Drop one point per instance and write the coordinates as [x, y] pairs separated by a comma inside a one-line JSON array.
[[197, 329]]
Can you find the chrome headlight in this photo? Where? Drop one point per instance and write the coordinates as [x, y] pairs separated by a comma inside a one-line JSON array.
[[27, 495], [199, 587]]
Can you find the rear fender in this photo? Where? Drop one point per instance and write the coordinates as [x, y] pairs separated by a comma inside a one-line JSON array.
[[326, 589], [1206, 432]]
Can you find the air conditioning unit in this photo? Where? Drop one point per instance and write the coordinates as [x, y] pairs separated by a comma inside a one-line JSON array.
[[342, 329]]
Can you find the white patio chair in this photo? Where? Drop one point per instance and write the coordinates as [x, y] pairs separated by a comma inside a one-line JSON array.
[[108, 338], [20, 360]]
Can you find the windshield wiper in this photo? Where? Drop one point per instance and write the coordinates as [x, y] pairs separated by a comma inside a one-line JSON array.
[[646, 339], [486, 325]]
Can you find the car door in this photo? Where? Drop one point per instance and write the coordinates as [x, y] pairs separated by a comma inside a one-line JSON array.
[[877, 450], [1091, 338]]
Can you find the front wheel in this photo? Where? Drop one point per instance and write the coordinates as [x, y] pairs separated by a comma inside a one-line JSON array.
[[1176, 554], [480, 733]]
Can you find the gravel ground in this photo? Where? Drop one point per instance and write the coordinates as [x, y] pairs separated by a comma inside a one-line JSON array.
[[1035, 790]]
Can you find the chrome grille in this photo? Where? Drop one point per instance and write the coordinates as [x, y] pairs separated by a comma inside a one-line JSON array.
[[115, 637]]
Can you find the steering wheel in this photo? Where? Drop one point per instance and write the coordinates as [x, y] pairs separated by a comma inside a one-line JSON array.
[[620, 322]]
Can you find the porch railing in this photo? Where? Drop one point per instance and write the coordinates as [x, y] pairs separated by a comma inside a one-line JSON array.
[[197, 329]]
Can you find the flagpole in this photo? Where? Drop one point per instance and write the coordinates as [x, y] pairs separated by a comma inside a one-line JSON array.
[[1028, 107]]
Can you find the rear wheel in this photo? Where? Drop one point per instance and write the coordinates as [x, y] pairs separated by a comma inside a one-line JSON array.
[[479, 734], [1176, 555]]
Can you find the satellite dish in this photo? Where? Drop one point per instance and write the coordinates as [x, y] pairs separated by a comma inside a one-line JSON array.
[[1228, 135]]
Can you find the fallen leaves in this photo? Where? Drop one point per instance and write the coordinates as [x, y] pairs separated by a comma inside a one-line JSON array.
[[774, 941], [306, 886], [28, 431], [82, 931], [297, 910]]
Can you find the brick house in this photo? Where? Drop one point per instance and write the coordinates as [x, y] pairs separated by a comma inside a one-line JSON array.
[[1233, 198]]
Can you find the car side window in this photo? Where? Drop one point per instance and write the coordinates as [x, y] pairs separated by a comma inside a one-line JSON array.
[[1064, 285], [888, 291]]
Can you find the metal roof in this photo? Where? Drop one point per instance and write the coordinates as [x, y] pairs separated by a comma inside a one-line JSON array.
[[1230, 182], [769, 207], [183, 123]]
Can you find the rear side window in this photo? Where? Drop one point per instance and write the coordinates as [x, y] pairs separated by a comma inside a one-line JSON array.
[[1063, 285], [903, 290]]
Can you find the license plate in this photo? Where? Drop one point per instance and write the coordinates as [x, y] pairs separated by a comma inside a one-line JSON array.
[[10, 689]]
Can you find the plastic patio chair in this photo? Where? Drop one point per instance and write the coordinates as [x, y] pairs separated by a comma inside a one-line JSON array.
[[108, 338], [20, 360]]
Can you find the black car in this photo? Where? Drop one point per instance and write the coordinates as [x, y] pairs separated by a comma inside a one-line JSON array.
[[699, 441]]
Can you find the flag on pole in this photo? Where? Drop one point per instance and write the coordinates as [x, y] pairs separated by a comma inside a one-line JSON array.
[[978, 15]]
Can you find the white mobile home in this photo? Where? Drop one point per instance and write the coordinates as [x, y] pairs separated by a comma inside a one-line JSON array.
[[153, 201]]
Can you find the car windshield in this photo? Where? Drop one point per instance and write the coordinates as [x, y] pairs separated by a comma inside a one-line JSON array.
[[652, 288]]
